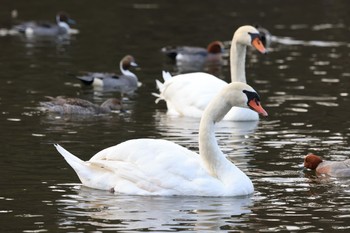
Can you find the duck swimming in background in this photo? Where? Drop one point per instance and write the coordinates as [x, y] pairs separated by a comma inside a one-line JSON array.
[[265, 36], [33, 28], [160, 167], [195, 58], [189, 94], [330, 168], [126, 82], [76, 106]]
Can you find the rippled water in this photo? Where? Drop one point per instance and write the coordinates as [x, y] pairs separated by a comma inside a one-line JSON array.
[[303, 83]]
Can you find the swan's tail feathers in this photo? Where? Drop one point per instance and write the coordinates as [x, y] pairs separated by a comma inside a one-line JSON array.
[[91, 174], [69, 157], [159, 98], [79, 166], [160, 87], [166, 75]]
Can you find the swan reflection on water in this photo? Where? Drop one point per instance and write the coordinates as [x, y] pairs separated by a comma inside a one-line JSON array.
[[169, 124], [156, 213], [234, 137]]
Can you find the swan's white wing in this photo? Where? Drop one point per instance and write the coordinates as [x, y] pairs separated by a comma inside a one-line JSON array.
[[189, 94]]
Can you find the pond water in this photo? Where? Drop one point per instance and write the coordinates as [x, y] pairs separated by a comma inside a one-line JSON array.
[[303, 82]]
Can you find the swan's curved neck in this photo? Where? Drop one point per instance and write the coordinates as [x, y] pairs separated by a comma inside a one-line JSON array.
[[237, 61], [212, 157]]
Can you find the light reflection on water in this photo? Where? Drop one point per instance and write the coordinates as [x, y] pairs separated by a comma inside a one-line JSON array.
[[133, 213]]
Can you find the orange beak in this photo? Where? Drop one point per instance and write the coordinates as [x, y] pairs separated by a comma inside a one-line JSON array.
[[259, 45], [256, 106]]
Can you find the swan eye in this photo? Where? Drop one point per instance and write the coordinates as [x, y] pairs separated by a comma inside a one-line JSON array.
[[251, 95]]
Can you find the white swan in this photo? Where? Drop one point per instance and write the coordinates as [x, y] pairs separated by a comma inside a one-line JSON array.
[[189, 94], [160, 167]]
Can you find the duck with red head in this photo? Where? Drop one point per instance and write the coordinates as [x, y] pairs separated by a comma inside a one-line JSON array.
[[190, 58], [330, 168]]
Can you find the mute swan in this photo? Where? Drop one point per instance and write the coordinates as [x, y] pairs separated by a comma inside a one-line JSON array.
[[126, 82], [33, 28], [189, 94], [331, 168], [161, 167], [78, 106]]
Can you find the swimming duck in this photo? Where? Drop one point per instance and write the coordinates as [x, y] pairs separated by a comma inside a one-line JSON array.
[[126, 82], [160, 167], [265, 36], [198, 57], [34, 28], [62, 105], [189, 94], [330, 168]]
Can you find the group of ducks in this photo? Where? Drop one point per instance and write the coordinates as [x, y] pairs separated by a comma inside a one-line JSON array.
[[160, 167], [125, 83]]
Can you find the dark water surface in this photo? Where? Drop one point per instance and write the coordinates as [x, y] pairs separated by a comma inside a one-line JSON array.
[[303, 82]]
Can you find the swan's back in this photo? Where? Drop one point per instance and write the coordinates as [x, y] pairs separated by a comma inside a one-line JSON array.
[[189, 94]]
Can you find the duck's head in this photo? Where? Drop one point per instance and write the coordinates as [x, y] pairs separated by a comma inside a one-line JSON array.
[[243, 95], [127, 62], [215, 47], [112, 104], [63, 20], [311, 161], [249, 36], [265, 35]]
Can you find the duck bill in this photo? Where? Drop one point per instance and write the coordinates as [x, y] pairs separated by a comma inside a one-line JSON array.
[[256, 106], [257, 43]]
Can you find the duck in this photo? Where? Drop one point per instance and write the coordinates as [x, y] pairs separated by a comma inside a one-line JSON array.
[[126, 82], [215, 47], [196, 58], [75, 106], [33, 28], [148, 166], [330, 168], [188, 94], [265, 35]]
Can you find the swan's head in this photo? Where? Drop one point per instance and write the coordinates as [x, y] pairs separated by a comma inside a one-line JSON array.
[[249, 36], [243, 95], [311, 161]]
